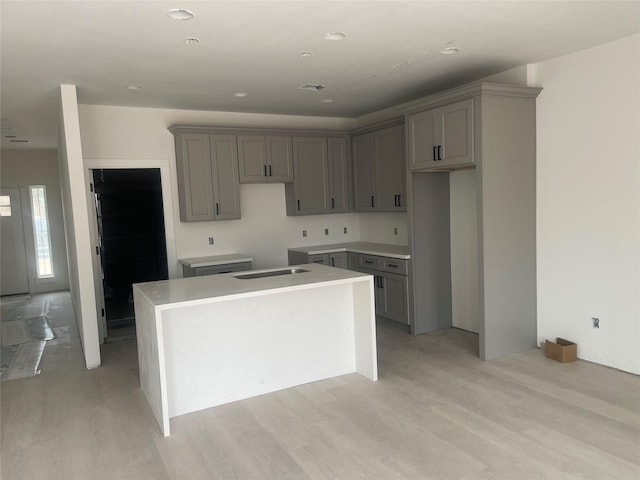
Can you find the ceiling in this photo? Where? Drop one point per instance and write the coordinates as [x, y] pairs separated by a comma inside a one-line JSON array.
[[391, 53]]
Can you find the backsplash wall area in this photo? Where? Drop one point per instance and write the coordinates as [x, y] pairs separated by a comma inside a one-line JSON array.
[[264, 232]]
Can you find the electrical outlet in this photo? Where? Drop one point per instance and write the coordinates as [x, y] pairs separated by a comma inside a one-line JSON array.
[[326, 231], [596, 322], [345, 230], [304, 233], [395, 230], [210, 240]]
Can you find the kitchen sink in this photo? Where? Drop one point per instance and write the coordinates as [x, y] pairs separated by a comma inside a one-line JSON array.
[[270, 273]]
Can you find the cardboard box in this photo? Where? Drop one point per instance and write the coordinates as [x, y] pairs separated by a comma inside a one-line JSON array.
[[562, 351]]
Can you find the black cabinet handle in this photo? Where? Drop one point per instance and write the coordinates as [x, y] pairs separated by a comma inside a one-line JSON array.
[[392, 265], [333, 262], [434, 153], [217, 209], [318, 261], [399, 200], [381, 281], [368, 261], [439, 152], [298, 204], [333, 203], [269, 170], [265, 170], [373, 201]]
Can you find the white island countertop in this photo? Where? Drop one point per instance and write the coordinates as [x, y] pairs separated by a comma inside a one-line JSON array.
[[368, 248], [205, 289]]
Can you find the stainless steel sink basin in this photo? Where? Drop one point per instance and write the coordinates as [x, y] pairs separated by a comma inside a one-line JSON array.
[[270, 273]]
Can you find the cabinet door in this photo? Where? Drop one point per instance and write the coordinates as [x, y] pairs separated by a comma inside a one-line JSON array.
[[377, 291], [456, 134], [279, 159], [338, 260], [252, 159], [394, 304], [339, 175], [321, 258], [226, 185], [390, 167], [364, 178], [311, 182], [352, 261], [422, 139], [195, 181]]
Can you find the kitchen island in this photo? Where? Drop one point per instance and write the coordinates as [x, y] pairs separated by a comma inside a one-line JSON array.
[[206, 341]]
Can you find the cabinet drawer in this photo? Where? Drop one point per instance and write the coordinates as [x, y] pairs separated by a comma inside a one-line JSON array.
[[217, 269], [322, 258], [395, 265], [370, 261]]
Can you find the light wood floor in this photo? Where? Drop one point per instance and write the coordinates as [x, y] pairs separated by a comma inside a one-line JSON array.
[[437, 412]]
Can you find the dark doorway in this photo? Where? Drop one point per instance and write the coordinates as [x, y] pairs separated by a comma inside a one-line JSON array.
[[132, 239]]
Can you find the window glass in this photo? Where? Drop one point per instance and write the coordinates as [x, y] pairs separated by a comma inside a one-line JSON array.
[[44, 263], [5, 206]]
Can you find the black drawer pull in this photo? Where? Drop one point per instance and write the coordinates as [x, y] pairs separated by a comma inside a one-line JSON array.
[[265, 170], [434, 154], [373, 201], [269, 170], [318, 261], [392, 265], [368, 261], [439, 152], [217, 209], [399, 200], [298, 204], [333, 203]]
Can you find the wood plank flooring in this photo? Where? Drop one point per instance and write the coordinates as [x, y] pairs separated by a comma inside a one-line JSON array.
[[437, 412]]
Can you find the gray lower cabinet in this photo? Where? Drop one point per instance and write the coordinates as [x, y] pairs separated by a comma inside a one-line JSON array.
[[338, 260], [391, 289], [322, 176], [207, 168], [215, 269], [265, 159], [379, 171]]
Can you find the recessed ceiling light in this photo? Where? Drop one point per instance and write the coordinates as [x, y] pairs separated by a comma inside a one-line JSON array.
[[316, 87], [306, 53], [334, 36], [133, 87], [449, 50], [327, 100], [240, 94], [180, 14], [191, 40]]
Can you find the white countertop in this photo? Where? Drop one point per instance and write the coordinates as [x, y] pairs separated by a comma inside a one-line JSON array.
[[215, 260], [197, 290], [368, 248]]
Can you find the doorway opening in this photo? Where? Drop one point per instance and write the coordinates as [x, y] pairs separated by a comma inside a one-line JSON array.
[[131, 240]]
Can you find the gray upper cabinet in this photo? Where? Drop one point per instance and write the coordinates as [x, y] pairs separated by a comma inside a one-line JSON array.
[[339, 163], [226, 185], [379, 171], [322, 176], [441, 138], [311, 177], [207, 167], [265, 159]]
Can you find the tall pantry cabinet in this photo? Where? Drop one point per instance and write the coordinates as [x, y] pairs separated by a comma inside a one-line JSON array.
[[494, 130]]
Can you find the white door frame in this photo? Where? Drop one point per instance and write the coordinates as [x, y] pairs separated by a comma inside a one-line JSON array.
[[167, 205]]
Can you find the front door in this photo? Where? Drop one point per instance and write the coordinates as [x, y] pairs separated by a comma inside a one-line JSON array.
[[13, 258]]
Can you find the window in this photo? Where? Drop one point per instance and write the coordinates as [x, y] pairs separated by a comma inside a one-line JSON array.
[[41, 235], [5, 206]]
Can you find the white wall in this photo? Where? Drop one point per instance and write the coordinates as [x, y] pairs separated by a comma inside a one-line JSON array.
[[20, 169], [76, 220], [264, 231], [463, 205], [588, 207]]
